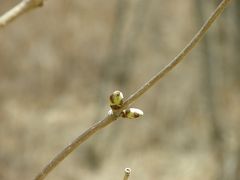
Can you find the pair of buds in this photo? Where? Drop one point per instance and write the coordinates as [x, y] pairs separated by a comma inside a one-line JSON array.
[[116, 102]]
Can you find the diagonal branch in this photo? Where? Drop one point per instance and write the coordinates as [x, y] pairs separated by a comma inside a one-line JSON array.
[[112, 117], [79, 140], [198, 36], [21, 8]]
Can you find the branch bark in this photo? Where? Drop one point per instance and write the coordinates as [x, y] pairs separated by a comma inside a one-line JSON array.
[[21, 8], [112, 117]]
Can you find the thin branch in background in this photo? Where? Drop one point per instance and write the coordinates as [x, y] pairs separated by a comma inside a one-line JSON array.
[[127, 173], [112, 117], [21, 8]]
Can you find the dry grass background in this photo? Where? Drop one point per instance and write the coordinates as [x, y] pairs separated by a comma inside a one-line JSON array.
[[59, 64]]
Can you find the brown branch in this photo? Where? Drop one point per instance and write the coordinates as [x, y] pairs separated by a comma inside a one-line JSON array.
[[21, 8], [112, 117]]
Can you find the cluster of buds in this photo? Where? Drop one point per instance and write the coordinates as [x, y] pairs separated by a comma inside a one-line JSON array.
[[116, 103]]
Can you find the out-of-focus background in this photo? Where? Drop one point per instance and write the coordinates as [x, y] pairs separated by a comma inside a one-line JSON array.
[[59, 64]]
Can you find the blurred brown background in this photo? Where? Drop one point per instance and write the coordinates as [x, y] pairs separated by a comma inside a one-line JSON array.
[[59, 63]]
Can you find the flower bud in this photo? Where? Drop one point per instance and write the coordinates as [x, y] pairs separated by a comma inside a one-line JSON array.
[[116, 100], [132, 113]]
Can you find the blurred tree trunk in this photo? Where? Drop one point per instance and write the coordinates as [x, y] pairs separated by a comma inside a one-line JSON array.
[[237, 40], [208, 85], [94, 154], [121, 60], [236, 46], [110, 68], [217, 74], [116, 69], [229, 51]]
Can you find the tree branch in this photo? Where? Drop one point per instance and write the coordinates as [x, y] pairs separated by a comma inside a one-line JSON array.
[[79, 140], [198, 36], [21, 8], [112, 117]]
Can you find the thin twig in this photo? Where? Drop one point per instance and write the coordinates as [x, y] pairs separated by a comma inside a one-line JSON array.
[[198, 36], [127, 173], [112, 117], [80, 139], [21, 8]]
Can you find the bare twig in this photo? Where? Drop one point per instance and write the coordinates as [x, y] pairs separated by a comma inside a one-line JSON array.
[[112, 117], [198, 36], [127, 173], [67, 150], [21, 8]]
